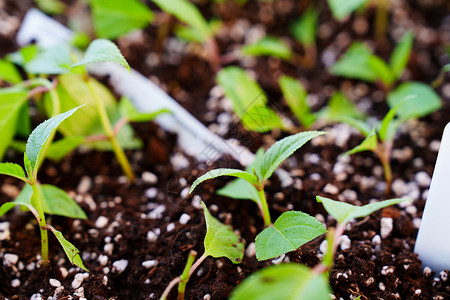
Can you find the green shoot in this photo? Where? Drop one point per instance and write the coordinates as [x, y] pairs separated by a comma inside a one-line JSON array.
[[360, 63], [296, 281], [220, 241], [304, 30], [268, 46], [43, 199]]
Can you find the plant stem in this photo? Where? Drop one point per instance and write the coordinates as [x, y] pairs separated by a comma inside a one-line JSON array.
[[381, 18], [185, 275], [36, 203], [264, 208], [384, 154], [117, 149]]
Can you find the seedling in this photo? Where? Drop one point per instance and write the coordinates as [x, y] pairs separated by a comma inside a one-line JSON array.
[[220, 241], [197, 30], [74, 89], [304, 30], [360, 63], [40, 199], [296, 281], [380, 139], [293, 228]]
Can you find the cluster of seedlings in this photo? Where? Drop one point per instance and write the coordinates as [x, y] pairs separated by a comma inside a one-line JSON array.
[[86, 114]]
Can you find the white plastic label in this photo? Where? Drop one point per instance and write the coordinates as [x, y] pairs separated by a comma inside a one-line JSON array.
[[433, 241]]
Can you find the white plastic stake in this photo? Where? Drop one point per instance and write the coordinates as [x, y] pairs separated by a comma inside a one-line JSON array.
[[433, 239]]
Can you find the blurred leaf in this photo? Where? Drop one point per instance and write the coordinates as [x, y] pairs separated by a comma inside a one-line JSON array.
[[400, 55], [422, 100], [8, 72], [382, 70], [52, 60], [58, 149], [286, 281], [370, 143], [24, 55], [342, 8], [340, 109], [51, 6], [304, 29], [115, 18], [291, 230], [268, 46], [128, 110]]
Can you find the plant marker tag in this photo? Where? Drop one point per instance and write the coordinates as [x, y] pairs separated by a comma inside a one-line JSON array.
[[195, 139], [433, 241]]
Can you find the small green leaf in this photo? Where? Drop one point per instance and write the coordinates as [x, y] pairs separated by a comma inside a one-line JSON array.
[[191, 34], [38, 138], [400, 55], [389, 125], [285, 281], [24, 200], [101, 50], [268, 46], [220, 240], [426, 100], [304, 29], [128, 110], [57, 150], [382, 70], [340, 108], [370, 143], [344, 212], [24, 55], [240, 189], [359, 125], [342, 8], [188, 13], [291, 230], [51, 6], [115, 18], [8, 72], [11, 105], [52, 60], [282, 149], [296, 97], [71, 251], [248, 99], [354, 64], [55, 201], [224, 172], [13, 170]]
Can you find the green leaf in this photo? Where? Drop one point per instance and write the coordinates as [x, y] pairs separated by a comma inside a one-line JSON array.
[[370, 143], [304, 29], [8, 72], [13, 170], [58, 202], [261, 118], [220, 240], [71, 251], [282, 149], [400, 55], [359, 125], [188, 13], [24, 55], [342, 8], [101, 50], [344, 212], [52, 60], [38, 138], [24, 200], [57, 150], [128, 110], [268, 46], [291, 230], [224, 172], [354, 64], [191, 34], [51, 6], [248, 99], [240, 189], [296, 97], [340, 108], [382, 70], [115, 18], [285, 281], [11, 103], [389, 125], [54, 201], [426, 100]]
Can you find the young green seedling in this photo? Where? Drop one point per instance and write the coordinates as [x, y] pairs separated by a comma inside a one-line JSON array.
[[304, 30], [360, 63], [220, 241], [293, 228], [198, 30], [380, 138], [46, 198], [296, 281]]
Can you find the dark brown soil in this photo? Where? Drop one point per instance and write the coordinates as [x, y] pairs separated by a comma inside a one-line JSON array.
[[374, 268]]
